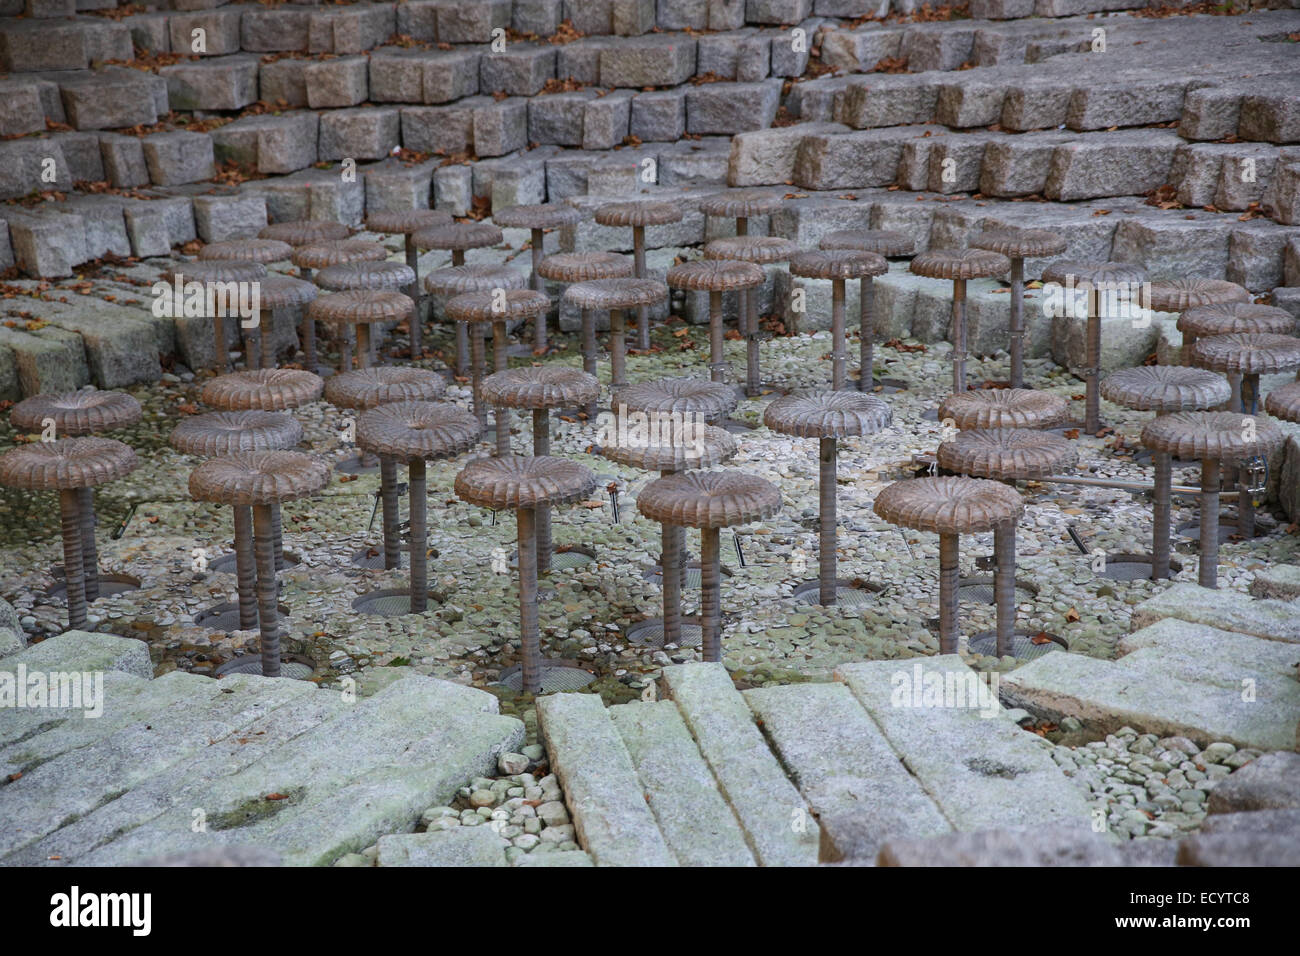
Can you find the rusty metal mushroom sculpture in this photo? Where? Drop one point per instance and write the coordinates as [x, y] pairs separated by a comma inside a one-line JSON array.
[[959, 265], [301, 232], [572, 267], [407, 222], [840, 265], [883, 242], [1018, 245], [359, 309], [1003, 408], [638, 214], [537, 219], [215, 277], [615, 296], [455, 280], [715, 276]]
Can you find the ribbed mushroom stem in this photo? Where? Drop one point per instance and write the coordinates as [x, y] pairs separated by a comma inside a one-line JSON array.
[[268, 338], [542, 446], [477, 348], [345, 332], [671, 564], [1004, 585], [711, 593], [642, 312], [826, 542], [538, 283], [73, 563], [1092, 390], [959, 336], [949, 546], [307, 331], [413, 290], [1208, 573], [221, 355], [267, 612], [753, 357], [89, 551], [245, 568], [462, 349], [1017, 325], [1249, 393], [1160, 515], [528, 636], [388, 499], [1245, 505], [277, 530], [252, 344], [419, 537], [363, 345], [501, 362], [589, 352], [837, 334], [717, 366], [1234, 401], [617, 353], [866, 335]]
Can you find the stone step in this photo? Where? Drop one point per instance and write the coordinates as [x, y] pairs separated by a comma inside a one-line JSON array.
[[341, 785], [463, 846], [607, 801], [857, 786], [1222, 657], [695, 820], [1138, 691], [775, 817], [1227, 610], [981, 769]]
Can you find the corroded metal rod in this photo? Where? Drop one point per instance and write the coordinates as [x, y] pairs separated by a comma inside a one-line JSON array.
[[642, 312], [89, 551], [948, 558], [529, 639], [826, 544], [538, 283], [958, 336], [711, 593], [501, 361], [838, 351], [477, 348], [1004, 585], [1017, 324], [73, 561], [589, 352], [717, 365], [413, 290], [419, 536], [866, 334], [1208, 572], [388, 497], [1160, 515], [617, 351], [1092, 383], [542, 446], [267, 612], [245, 568]]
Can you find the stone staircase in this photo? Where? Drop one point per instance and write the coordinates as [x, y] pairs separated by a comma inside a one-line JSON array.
[[797, 774], [185, 765]]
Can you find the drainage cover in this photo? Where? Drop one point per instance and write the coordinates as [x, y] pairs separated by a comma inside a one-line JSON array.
[[1133, 567], [372, 559], [847, 593], [295, 668], [556, 676], [226, 563], [980, 591], [225, 617], [652, 632], [109, 584], [563, 557], [1022, 644], [693, 576], [1227, 528], [389, 602]]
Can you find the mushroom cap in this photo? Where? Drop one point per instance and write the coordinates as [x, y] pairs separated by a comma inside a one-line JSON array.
[[625, 293], [82, 412], [1211, 436], [513, 481], [838, 264], [641, 212], [584, 266], [715, 275], [248, 250], [1007, 453], [827, 414], [883, 242], [382, 384], [1096, 273], [361, 306], [758, 249], [413, 431], [1165, 388], [458, 236], [1247, 353], [548, 215], [1178, 295], [1004, 408], [543, 386], [300, 232], [1284, 402], [742, 203], [284, 292], [1224, 318], [457, 279], [322, 255], [365, 275], [491, 307], [686, 396], [949, 505], [709, 499], [1020, 243], [258, 478], [65, 464], [960, 264], [267, 389], [688, 446], [406, 221], [223, 433], [218, 270]]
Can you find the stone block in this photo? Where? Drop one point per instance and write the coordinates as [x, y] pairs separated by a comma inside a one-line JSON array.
[[631, 18], [418, 19], [177, 157], [556, 119], [850, 160], [683, 14], [1110, 164], [521, 69], [580, 61], [205, 32], [605, 120], [428, 129], [500, 126], [45, 243], [729, 108], [656, 60], [1273, 113], [744, 56], [1210, 112], [229, 216], [365, 132], [276, 29], [123, 160], [110, 99], [768, 157], [938, 46], [1139, 100], [272, 144], [21, 109], [30, 45], [1018, 165], [1036, 103], [332, 84], [1281, 199], [1270, 782], [453, 189], [538, 17], [590, 17], [224, 83], [283, 83], [471, 22], [1256, 251], [81, 151], [857, 51], [726, 14], [659, 116], [1172, 248], [890, 100], [350, 30], [777, 11]]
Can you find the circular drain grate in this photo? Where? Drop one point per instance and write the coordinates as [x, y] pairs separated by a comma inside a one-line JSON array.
[[357, 466], [884, 386], [847, 594], [980, 591], [651, 632], [293, 668], [372, 559], [109, 584], [1022, 644], [1191, 530], [556, 676], [561, 560], [225, 617], [930, 415], [693, 576], [389, 602], [735, 426], [1133, 567], [226, 563]]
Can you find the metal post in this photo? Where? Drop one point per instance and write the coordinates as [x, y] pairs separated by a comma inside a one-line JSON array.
[[277, 529], [252, 343], [267, 612], [500, 362], [958, 336], [716, 363], [753, 358], [462, 329], [268, 338], [477, 348], [589, 352], [643, 311], [542, 446], [826, 543], [221, 358], [363, 345], [417, 332], [866, 334], [617, 355], [73, 562], [1160, 515], [307, 329], [1004, 584], [1092, 391], [1245, 505], [388, 496], [1017, 322], [245, 568], [948, 558], [538, 283], [671, 564], [710, 593], [89, 551], [837, 335], [1208, 573], [528, 636], [419, 536]]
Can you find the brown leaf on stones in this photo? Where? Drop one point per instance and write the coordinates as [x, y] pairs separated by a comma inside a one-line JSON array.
[[1164, 197], [890, 64], [566, 33], [1040, 638], [566, 85], [1072, 615]]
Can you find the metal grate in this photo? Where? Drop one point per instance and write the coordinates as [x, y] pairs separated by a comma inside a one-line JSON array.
[[980, 591], [1227, 528], [226, 563], [225, 617], [294, 669], [735, 426], [556, 676], [571, 557], [389, 602], [372, 559], [693, 576], [846, 594], [1022, 644], [109, 584], [651, 632], [357, 466]]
